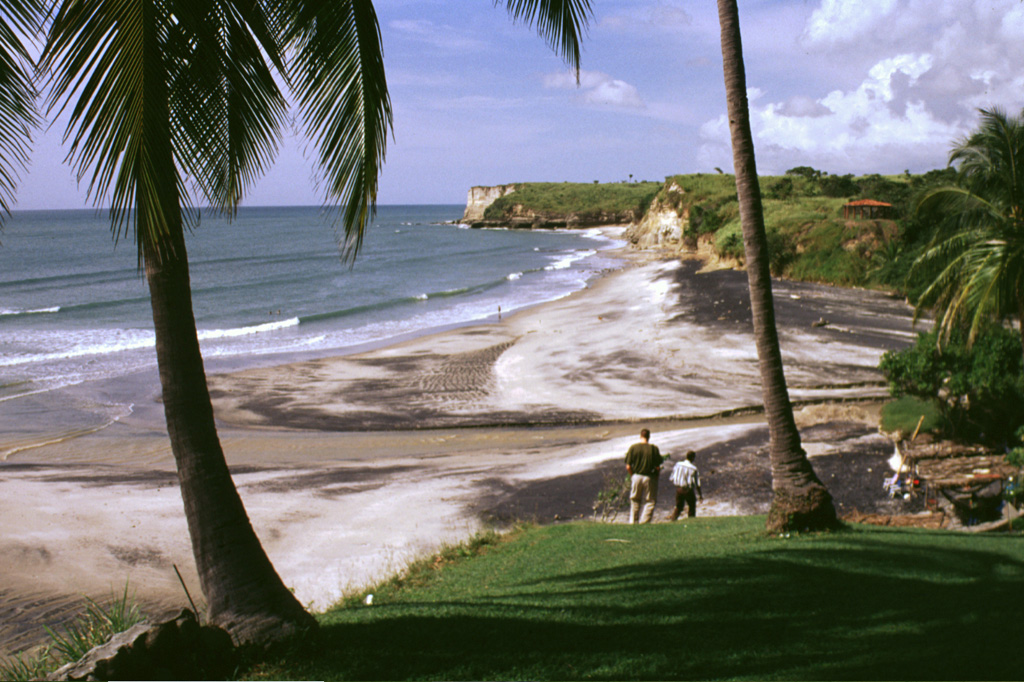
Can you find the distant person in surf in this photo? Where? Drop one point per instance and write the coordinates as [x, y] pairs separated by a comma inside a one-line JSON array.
[[686, 479], [643, 462]]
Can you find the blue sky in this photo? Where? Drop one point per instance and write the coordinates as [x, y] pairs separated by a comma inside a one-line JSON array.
[[846, 86]]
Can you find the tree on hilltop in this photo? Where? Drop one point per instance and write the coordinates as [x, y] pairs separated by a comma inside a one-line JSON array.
[[799, 500]]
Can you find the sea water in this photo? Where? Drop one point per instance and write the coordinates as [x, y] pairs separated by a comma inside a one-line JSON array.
[[268, 286]]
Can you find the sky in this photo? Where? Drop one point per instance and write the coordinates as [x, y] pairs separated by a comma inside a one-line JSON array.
[[844, 86]]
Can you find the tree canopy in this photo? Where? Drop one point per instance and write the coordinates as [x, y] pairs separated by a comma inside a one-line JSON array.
[[976, 262]]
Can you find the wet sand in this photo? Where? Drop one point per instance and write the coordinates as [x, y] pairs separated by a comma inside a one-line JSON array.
[[351, 467]]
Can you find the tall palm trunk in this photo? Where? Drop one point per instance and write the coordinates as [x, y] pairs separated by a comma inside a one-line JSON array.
[[244, 594], [799, 499]]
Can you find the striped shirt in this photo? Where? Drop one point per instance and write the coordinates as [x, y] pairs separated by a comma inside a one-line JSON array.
[[684, 475]]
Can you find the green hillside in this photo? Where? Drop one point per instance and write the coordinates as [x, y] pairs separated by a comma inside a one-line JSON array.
[[575, 198], [809, 238]]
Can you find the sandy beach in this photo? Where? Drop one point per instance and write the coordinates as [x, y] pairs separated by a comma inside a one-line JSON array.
[[352, 466]]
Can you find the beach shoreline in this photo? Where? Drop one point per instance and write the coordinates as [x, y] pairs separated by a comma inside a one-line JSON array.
[[351, 467]]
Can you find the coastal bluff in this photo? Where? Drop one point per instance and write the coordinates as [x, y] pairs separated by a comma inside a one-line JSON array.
[[812, 236], [480, 198], [543, 205]]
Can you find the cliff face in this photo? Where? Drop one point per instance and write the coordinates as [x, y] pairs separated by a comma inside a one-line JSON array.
[[522, 216], [664, 224], [480, 198]]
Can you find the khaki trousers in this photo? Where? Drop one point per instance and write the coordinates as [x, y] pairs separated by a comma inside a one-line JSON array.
[[643, 492]]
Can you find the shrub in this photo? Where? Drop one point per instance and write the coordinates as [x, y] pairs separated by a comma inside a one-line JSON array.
[[903, 415], [704, 218], [729, 241], [781, 251], [805, 171], [839, 186], [781, 189], [979, 390]]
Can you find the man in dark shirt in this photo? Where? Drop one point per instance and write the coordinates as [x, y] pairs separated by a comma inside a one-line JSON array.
[[643, 462]]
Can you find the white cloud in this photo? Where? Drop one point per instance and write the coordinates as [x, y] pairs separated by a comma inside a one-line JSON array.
[[1012, 26], [439, 36], [891, 84], [801, 106], [876, 126], [660, 16], [843, 21], [597, 88]]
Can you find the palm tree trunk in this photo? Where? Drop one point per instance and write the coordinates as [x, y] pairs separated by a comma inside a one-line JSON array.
[[799, 500], [244, 594]]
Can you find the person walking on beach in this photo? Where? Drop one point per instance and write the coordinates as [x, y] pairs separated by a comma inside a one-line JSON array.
[[686, 479], [643, 462]]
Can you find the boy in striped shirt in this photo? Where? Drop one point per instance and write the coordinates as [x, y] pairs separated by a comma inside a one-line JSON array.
[[686, 479]]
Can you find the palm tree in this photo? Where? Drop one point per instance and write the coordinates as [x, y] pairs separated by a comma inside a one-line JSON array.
[[17, 93], [799, 501], [977, 257], [163, 90]]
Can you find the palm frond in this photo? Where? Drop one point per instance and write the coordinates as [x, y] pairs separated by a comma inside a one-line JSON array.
[[107, 60], [17, 94], [337, 72], [977, 254], [226, 107], [562, 23]]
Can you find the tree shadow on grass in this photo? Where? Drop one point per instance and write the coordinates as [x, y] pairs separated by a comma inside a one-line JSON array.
[[863, 609]]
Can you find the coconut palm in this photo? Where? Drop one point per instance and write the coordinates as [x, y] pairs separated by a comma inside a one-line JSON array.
[[160, 91], [17, 93], [799, 501], [977, 258]]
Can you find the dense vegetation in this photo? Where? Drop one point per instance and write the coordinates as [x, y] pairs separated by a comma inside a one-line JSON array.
[[978, 390], [709, 598], [577, 198], [808, 237]]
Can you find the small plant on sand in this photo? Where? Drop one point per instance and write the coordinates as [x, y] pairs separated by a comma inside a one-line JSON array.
[[75, 639], [613, 496]]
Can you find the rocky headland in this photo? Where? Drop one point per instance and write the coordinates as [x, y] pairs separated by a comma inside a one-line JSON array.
[[812, 236], [495, 207]]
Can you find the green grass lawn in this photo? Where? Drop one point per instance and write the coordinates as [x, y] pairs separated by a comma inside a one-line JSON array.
[[709, 598]]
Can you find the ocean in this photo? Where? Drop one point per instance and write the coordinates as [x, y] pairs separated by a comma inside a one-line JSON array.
[[268, 287]]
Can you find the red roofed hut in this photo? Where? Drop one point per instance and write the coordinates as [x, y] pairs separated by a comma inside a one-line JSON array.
[[867, 208]]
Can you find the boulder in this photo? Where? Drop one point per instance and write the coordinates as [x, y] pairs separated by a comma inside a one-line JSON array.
[[177, 649]]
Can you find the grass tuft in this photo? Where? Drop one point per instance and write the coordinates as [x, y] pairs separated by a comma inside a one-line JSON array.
[[93, 627]]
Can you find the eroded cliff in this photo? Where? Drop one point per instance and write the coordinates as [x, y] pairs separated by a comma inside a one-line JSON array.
[[480, 198], [533, 205]]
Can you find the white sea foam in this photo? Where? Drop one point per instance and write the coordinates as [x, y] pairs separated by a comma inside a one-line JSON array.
[[567, 261], [76, 344], [80, 345], [36, 311], [116, 413], [245, 331]]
